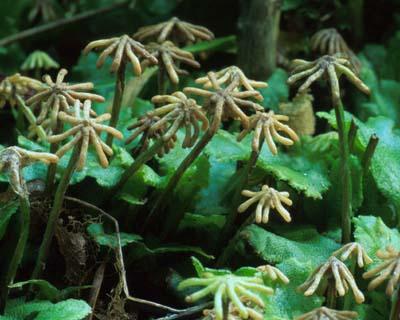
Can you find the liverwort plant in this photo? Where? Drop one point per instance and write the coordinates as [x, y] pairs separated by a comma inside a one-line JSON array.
[[178, 31], [55, 97], [334, 278], [166, 39], [177, 111], [170, 58], [233, 292], [330, 41], [267, 198], [333, 67], [123, 49], [12, 161], [38, 61], [13, 90], [325, 313], [85, 131], [221, 103]]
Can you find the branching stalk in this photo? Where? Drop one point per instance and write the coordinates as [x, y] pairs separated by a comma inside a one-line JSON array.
[[55, 213], [118, 95]]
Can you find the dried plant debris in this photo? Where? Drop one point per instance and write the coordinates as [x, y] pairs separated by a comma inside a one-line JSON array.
[[273, 273], [233, 313], [123, 49], [59, 95], [170, 57], [228, 288], [17, 85], [14, 159], [324, 313], [353, 249], [267, 198], [266, 126], [39, 60], [176, 30], [77, 247], [144, 127], [342, 277], [85, 130], [225, 103], [329, 67], [330, 41], [388, 269], [301, 114], [227, 76], [181, 112]]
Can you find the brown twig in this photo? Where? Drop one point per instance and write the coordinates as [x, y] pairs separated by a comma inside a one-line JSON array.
[[97, 283]]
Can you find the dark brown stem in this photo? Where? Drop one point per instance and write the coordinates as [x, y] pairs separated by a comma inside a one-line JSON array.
[[258, 37], [59, 23], [117, 102]]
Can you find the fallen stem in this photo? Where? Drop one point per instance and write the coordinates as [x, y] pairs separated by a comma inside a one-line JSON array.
[[117, 101], [55, 213], [59, 23], [120, 259]]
